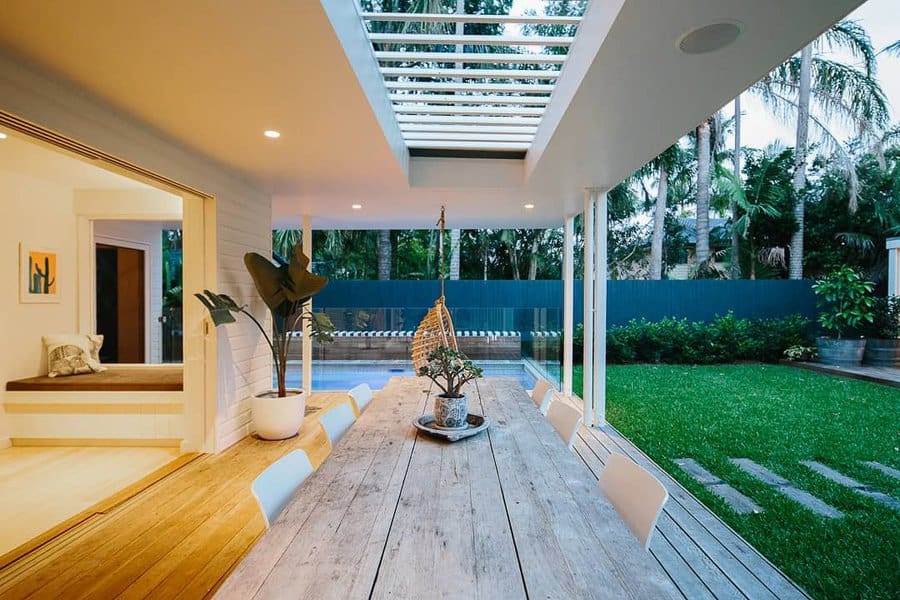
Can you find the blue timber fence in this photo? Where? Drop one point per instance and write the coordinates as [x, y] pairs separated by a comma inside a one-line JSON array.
[[505, 305]]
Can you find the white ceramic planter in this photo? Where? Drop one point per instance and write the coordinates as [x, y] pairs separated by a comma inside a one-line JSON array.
[[277, 418]]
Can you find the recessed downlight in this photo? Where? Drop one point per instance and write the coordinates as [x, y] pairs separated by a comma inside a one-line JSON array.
[[271, 133], [3, 136], [709, 38], [356, 206], [528, 206]]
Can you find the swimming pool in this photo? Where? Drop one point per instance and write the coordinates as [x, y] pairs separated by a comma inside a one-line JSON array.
[[343, 375]]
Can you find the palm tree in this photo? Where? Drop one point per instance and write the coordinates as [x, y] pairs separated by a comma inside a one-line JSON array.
[[454, 254], [703, 164], [839, 93], [284, 241], [736, 160], [664, 165], [383, 251], [893, 48]]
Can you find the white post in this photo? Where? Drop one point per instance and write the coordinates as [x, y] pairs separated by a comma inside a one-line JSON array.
[[893, 248], [568, 302], [600, 277], [588, 359], [306, 346]]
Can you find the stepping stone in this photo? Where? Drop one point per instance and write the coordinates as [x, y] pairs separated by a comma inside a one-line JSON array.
[[784, 486], [738, 502], [889, 471], [851, 483]]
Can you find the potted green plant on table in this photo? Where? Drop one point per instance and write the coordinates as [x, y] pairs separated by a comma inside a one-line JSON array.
[[284, 287], [883, 343], [450, 370], [846, 302]]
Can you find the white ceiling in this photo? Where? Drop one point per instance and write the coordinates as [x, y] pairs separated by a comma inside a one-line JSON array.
[[214, 75]]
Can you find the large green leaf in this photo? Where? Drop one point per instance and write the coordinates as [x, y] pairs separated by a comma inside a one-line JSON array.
[[219, 306], [300, 284], [268, 279]]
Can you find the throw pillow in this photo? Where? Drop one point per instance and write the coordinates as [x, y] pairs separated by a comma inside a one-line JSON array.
[[71, 354]]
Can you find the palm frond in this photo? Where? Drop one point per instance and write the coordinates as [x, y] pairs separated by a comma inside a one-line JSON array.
[[851, 36]]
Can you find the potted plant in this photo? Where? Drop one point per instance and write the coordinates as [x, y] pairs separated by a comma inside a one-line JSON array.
[[284, 286], [846, 301], [449, 369], [883, 345]]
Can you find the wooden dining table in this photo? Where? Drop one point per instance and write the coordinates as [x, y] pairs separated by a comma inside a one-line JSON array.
[[395, 513]]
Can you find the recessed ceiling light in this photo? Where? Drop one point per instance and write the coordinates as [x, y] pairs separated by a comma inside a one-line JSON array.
[[709, 38], [529, 206], [356, 206], [3, 136], [271, 133]]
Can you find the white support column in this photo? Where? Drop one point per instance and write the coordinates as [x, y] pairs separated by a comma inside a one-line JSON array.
[[568, 302], [600, 277], [306, 346], [893, 248], [588, 360]]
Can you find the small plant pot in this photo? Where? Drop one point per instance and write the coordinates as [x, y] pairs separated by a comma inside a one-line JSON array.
[[451, 413], [841, 352], [882, 353], [275, 418]]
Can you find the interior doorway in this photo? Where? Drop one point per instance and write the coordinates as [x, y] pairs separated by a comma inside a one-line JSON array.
[[121, 308]]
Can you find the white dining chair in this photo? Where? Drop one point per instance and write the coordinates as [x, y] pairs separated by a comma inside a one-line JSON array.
[[565, 420], [635, 493], [362, 395], [337, 421], [541, 394], [275, 486]]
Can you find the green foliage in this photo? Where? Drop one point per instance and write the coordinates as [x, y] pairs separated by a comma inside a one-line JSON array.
[[449, 369], [885, 318], [846, 300], [805, 353], [724, 340]]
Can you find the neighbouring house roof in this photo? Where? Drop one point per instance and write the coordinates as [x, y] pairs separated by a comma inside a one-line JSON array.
[[718, 228]]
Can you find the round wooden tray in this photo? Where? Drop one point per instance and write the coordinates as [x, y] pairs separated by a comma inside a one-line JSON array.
[[476, 424]]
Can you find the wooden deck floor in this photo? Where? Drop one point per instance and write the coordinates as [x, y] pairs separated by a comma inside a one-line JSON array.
[[882, 375], [702, 555], [177, 538]]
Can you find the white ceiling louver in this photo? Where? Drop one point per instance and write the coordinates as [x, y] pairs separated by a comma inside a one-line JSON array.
[[451, 100]]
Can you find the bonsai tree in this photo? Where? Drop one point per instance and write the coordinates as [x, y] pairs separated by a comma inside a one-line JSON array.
[[449, 369], [845, 298], [284, 286]]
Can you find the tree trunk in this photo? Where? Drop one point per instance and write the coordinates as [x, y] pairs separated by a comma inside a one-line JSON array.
[[659, 223], [533, 265], [702, 249], [795, 268], [383, 250], [454, 254], [735, 239]]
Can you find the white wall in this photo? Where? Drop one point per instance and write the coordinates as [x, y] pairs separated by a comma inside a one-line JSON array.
[[243, 213], [149, 234], [40, 214]]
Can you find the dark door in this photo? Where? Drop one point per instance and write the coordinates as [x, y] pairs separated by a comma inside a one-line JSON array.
[[120, 303]]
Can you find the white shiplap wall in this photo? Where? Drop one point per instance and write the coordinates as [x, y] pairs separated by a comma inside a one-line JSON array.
[[243, 213]]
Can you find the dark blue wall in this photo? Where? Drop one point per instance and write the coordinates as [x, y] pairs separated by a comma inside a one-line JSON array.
[[474, 302]]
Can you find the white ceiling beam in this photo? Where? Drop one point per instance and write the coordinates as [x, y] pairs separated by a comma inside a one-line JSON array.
[[469, 110], [498, 58], [417, 127], [456, 18], [437, 86], [427, 39], [468, 120], [470, 73], [468, 137], [459, 145], [469, 99]]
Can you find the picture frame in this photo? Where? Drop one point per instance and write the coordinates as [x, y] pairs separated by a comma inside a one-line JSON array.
[[38, 275]]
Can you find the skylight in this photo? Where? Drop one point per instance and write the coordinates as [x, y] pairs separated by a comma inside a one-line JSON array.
[[467, 84]]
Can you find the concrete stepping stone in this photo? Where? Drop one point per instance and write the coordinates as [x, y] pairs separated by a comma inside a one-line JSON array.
[[784, 486], [859, 488], [889, 471], [738, 502]]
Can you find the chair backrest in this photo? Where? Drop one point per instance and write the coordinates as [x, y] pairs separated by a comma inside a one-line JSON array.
[[635, 493], [275, 486], [541, 394], [336, 421], [362, 395], [566, 420]]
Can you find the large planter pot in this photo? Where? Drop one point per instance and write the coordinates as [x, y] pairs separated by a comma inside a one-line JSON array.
[[451, 413], [841, 353], [882, 353], [277, 418]]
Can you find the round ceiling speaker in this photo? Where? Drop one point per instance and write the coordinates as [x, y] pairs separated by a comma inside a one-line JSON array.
[[709, 38]]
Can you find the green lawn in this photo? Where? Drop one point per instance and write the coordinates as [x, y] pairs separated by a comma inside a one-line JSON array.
[[778, 416]]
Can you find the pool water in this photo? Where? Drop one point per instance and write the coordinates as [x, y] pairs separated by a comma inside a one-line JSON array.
[[343, 375]]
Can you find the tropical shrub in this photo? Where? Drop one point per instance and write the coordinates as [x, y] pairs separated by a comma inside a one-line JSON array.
[[846, 300], [805, 353], [885, 318]]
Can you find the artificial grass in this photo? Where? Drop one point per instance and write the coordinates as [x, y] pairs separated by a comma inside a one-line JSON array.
[[778, 416]]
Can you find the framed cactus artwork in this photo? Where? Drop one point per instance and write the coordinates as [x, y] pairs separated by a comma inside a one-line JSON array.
[[38, 270]]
